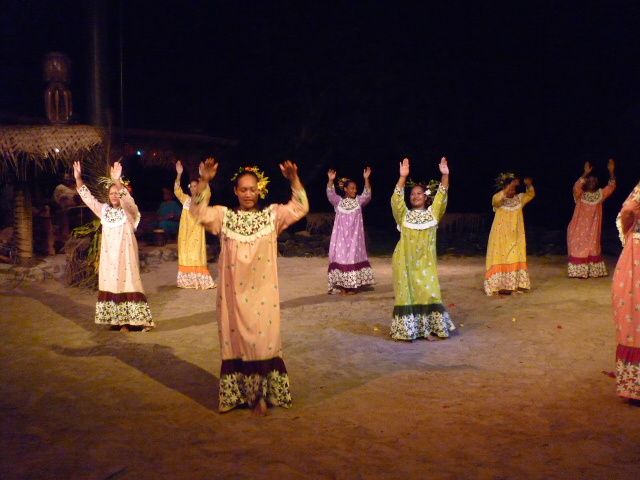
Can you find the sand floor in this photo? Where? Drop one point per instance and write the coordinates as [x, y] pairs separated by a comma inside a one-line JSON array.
[[518, 393]]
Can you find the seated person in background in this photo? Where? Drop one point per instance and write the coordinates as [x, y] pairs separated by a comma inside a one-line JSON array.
[[169, 213], [64, 197]]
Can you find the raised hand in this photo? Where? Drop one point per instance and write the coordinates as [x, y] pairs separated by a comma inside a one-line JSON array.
[[444, 166], [528, 182], [116, 171], [208, 169], [77, 171], [331, 174], [366, 172], [404, 168], [179, 167], [611, 166], [290, 170], [588, 168]]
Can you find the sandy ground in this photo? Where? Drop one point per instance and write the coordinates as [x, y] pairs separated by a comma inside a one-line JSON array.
[[518, 393]]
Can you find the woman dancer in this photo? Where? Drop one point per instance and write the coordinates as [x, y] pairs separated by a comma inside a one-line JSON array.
[[349, 267], [248, 304], [192, 248], [506, 263], [585, 228], [121, 299], [626, 299], [418, 311]]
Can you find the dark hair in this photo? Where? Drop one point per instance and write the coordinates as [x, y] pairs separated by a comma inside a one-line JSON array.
[[244, 174]]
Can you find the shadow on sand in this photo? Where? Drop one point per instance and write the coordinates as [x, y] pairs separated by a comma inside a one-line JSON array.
[[154, 360], [159, 363]]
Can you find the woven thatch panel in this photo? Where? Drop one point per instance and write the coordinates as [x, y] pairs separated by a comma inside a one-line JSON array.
[[24, 148]]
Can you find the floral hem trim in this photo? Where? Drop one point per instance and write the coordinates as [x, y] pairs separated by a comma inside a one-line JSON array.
[[628, 372], [587, 270], [199, 281], [421, 322], [123, 312], [509, 281], [344, 278], [245, 383]]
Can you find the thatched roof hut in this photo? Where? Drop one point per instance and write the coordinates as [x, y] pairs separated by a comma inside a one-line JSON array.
[[29, 149]]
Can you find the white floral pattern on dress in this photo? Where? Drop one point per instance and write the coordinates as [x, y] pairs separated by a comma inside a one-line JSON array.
[[586, 270], [123, 313], [238, 389], [353, 279], [414, 326], [195, 280], [507, 281], [248, 226], [628, 380], [348, 205]]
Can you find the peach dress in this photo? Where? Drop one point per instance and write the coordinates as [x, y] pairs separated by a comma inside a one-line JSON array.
[[626, 299], [585, 229], [248, 300]]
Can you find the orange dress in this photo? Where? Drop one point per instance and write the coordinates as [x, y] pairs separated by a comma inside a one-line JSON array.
[[585, 229], [626, 299], [248, 300]]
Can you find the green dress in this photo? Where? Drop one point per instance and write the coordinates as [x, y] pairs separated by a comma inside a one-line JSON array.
[[418, 310]]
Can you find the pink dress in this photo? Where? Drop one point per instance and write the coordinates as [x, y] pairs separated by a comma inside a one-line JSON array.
[[626, 299], [348, 261], [121, 298], [585, 228], [248, 300]]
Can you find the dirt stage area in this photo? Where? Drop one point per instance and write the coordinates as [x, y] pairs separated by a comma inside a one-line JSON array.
[[518, 393]]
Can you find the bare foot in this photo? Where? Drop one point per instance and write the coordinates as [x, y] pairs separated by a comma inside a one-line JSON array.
[[347, 291], [124, 328], [430, 338], [260, 410]]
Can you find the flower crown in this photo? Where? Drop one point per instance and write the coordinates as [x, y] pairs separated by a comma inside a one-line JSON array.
[[263, 180], [504, 179], [430, 187], [343, 182], [107, 182]]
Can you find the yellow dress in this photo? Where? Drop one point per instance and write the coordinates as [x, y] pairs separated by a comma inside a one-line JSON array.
[[192, 248], [506, 264]]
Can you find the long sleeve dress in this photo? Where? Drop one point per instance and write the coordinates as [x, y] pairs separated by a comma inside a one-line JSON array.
[[418, 310], [121, 298], [192, 247], [626, 299], [585, 230], [248, 301], [349, 265], [506, 263]]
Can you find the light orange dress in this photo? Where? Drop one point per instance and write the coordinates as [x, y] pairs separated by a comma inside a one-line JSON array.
[[121, 298], [192, 247], [626, 299], [584, 232], [248, 300], [506, 263]]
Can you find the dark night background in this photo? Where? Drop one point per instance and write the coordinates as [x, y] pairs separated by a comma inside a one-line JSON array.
[[534, 87]]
